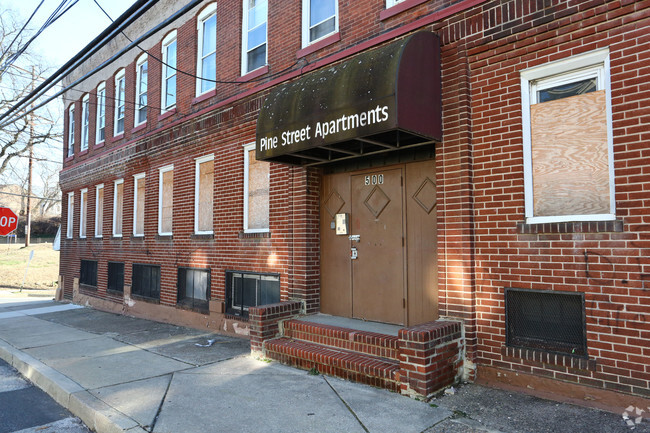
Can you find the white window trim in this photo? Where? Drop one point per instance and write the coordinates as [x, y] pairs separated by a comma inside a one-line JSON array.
[[553, 74], [198, 162], [391, 3], [98, 206], [136, 179], [71, 130], [85, 122], [83, 216], [244, 43], [141, 60], [115, 184], [248, 148], [120, 76], [167, 41], [205, 14], [101, 107], [306, 6], [70, 223], [161, 172]]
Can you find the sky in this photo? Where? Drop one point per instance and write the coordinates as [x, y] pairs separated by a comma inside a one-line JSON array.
[[70, 33]]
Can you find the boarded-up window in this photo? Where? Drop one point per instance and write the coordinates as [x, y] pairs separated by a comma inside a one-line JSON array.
[[166, 200], [99, 211], [118, 207], [256, 193], [138, 205], [567, 143], [204, 195], [569, 152], [83, 212], [70, 221]]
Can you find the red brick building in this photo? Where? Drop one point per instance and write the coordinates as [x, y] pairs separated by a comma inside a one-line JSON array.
[[475, 172]]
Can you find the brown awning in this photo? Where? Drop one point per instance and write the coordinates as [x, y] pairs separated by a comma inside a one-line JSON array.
[[381, 100]]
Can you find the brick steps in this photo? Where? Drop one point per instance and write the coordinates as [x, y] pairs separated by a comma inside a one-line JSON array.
[[369, 343], [355, 366]]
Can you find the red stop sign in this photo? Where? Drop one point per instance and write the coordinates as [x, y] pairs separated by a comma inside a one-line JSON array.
[[8, 221]]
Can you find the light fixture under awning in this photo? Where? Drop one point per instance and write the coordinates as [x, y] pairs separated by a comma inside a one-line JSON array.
[[382, 100]]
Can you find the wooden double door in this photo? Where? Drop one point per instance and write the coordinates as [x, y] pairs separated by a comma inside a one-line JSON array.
[[385, 268]]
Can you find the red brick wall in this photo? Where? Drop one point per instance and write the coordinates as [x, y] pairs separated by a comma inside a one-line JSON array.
[[484, 245]]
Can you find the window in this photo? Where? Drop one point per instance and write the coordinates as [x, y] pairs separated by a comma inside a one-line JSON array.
[[254, 35], [203, 195], [165, 200], [319, 19], [118, 207], [138, 204], [85, 119], [568, 153], [101, 113], [99, 210], [391, 3], [142, 72], [69, 224], [549, 321], [145, 281], [120, 95], [71, 130], [83, 212], [206, 67], [88, 273], [115, 277], [249, 289], [169, 72], [256, 192], [193, 287]]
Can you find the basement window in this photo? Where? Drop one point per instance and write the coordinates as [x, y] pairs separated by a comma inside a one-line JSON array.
[[115, 277], [145, 281], [249, 289], [88, 273], [545, 320], [193, 288]]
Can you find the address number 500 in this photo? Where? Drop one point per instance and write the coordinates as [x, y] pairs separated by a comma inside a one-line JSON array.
[[375, 179]]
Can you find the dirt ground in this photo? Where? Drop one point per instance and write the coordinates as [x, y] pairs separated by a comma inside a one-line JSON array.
[[42, 274]]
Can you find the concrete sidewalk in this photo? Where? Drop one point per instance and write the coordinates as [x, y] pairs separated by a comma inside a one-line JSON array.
[[118, 373]]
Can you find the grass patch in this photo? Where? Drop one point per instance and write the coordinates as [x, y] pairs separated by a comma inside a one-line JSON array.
[[43, 272]]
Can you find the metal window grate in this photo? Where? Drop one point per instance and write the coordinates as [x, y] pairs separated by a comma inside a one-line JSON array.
[[116, 276], [249, 289], [88, 273], [145, 281], [549, 321], [193, 287]]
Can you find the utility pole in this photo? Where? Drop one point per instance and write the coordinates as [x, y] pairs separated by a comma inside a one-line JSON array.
[[28, 222]]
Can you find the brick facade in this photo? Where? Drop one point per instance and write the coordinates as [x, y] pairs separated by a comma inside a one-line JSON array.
[[484, 243]]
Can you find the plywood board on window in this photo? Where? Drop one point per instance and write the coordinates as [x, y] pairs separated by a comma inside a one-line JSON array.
[[569, 156], [258, 193], [119, 207], [206, 182], [99, 225], [139, 214], [167, 201]]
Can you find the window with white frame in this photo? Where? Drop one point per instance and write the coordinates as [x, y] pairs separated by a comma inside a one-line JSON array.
[[118, 207], [71, 130], [568, 153], [101, 113], [320, 18], [206, 67], [254, 35], [142, 73], [83, 212], [138, 204], [204, 195], [168, 88], [391, 3], [99, 210], [165, 200], [85, 120], [120, 108], [256, 192], [69, 224]]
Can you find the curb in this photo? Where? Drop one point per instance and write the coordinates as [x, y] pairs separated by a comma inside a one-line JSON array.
[[97, 415]]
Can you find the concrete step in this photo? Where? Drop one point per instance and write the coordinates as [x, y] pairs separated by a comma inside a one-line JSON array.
[[365, 342], [354, 366]]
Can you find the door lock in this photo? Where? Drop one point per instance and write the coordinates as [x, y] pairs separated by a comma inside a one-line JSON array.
[[353, 253]]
